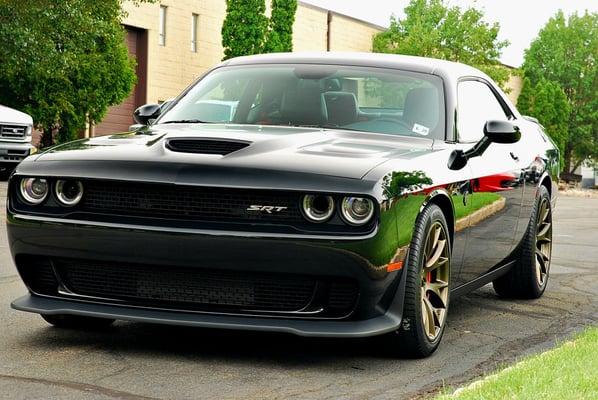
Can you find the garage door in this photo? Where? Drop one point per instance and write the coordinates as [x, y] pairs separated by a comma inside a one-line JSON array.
[[119, 117]]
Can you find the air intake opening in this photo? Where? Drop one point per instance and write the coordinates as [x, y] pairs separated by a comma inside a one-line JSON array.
[[205, 146]]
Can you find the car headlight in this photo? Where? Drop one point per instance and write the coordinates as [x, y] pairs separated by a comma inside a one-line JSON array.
[[69, 192], [34, 190], [357, 210], [317, 208]]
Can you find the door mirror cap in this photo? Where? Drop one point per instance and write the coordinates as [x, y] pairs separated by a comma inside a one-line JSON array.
[[504, 132], [147, 112]]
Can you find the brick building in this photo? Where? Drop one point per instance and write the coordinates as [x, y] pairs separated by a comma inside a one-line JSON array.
[[175, 41]]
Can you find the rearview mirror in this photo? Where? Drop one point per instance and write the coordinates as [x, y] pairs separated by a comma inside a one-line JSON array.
[[147, 112], [495, 131]]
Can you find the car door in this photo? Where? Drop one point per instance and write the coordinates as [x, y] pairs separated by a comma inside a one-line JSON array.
[[497, 183]]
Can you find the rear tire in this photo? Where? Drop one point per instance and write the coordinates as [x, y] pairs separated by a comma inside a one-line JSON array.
[[427, 290], [528, 277], [66, 321]]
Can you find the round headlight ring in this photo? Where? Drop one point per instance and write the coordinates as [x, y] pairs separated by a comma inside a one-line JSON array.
[[69, 192], [317, 208], [34, 190], [357, 210]]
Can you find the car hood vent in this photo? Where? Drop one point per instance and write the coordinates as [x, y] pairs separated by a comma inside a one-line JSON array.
[[205, 146]]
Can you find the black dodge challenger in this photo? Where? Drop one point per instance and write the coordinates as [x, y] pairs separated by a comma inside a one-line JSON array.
[[338, 195]]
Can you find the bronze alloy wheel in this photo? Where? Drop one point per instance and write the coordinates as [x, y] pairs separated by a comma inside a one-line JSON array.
[[434, 281], [543, 241]]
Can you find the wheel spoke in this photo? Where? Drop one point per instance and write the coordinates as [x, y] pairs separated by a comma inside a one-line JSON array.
[[435, 289], [431, 328], [434, 281], [432, 263], [543, 231], [543, 213]]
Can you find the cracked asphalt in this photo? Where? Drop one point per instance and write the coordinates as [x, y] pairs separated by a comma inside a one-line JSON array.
[[143, 361]]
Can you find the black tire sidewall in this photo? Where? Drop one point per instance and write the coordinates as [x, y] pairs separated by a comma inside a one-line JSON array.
[[412, 330]]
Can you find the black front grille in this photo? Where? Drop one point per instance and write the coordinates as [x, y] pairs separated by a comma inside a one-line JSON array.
[[188, 202], [207, 289], [205, 146], [37, 273]]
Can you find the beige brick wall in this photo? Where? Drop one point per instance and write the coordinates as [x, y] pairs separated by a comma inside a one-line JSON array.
[[309, 29], [514, 83], [174, 66], [348, 34]]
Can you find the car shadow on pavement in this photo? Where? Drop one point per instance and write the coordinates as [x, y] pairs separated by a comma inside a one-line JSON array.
[[131, 339]]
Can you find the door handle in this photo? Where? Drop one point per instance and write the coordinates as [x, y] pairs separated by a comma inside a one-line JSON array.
[[513, 156]]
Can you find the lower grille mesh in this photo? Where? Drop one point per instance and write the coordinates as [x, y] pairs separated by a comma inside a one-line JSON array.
[[201, 289]]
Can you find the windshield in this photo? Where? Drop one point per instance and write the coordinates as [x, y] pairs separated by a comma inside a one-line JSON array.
[[322, 96]]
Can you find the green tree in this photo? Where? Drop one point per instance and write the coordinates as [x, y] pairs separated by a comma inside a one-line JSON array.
[[63, 62], [244, 28], [566, 52], [548, 103], [280, 33], [432, 28]]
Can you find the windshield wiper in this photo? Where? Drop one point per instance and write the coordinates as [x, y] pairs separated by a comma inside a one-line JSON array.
[[328, 127], [187, 121]]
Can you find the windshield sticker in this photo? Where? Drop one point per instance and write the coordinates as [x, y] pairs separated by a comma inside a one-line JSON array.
[[420, 129]]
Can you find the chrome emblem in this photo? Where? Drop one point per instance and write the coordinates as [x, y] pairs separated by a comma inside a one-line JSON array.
[[266, 209]]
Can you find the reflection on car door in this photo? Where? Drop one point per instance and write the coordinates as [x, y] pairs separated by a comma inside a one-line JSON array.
[[496, 186]]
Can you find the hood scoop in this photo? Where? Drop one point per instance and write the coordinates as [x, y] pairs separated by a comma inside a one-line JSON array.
[[205, 146]]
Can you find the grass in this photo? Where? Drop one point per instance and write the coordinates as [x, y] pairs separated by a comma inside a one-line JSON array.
[[569, 371], [477, 201]]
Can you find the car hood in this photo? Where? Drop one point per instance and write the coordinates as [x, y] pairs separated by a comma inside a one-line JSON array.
[[12, 116], [338, 153]]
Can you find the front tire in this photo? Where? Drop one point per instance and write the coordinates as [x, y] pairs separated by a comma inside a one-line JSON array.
[[528, 278], [427, 290], [66, 321]]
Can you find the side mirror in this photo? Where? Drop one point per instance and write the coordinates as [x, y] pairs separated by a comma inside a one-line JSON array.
[[504, 132], [145, 113]]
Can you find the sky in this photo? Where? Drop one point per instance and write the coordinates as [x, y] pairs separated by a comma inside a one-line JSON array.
[[520, 20]]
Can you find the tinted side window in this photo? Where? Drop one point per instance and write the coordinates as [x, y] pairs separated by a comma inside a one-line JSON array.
[[476, 105]]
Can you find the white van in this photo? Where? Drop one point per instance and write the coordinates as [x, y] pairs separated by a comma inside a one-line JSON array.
[[15, 138]]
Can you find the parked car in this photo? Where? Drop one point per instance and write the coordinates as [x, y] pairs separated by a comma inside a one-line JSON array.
[[348, 195], [15, 138]]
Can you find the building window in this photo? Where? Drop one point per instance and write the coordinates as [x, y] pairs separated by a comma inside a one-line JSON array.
[[162, 27], [194, 20]]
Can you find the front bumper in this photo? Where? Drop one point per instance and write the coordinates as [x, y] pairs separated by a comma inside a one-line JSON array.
[[14, 152], [363, 328], [378, 308]]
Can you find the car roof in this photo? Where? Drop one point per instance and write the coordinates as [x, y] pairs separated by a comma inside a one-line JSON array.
[[396, 61]]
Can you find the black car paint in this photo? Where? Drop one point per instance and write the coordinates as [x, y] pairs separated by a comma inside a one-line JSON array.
[[294, 159]]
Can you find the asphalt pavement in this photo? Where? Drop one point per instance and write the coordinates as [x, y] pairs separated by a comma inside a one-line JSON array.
[[143, 361]]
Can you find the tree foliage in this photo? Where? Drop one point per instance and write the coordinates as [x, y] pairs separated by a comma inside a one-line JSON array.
[[279, 37], [432, 28], [63, 62], [547, 102], [244, 28], [566, 53]]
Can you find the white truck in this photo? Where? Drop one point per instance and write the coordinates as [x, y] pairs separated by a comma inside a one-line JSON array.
[[15, 138]]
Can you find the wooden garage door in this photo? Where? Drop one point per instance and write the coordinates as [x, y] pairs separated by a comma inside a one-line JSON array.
[[119, 117]]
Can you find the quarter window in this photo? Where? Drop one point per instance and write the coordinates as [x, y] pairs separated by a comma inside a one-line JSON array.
[[476, 105], [162, 26]]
